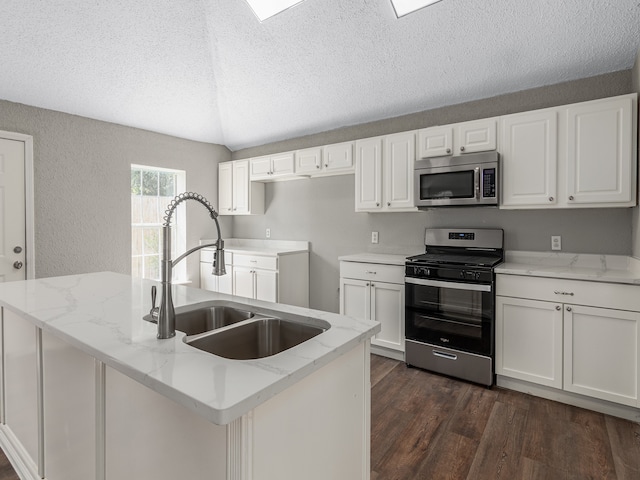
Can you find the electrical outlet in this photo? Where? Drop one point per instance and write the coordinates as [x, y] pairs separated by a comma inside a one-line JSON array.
[[268, 233], [374, 237], [556, 242]]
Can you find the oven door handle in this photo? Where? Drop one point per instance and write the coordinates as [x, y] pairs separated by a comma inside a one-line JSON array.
[[477, 179], [455, 285]]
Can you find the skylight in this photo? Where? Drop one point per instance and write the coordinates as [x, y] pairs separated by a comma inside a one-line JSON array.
[[268, 8], [403, 7]]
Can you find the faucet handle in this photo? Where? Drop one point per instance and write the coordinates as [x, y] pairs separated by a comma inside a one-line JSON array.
[[154, 310]]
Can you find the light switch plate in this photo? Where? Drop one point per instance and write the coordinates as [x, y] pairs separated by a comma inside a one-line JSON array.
[[268, 233], [556, 242]]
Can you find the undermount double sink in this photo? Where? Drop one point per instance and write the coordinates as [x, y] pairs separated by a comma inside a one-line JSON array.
[[229, 330]]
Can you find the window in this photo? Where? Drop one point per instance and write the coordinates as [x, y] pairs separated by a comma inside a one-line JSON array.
[[152, 189]]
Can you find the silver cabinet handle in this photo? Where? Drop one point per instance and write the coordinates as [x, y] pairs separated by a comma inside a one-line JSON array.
[[17, 265], [388, 204], [17, 249], [570, 197], [377, 204], [558, 292], [557, 307], [448, 150], [551, 199], [326, 165], [568, 309], [370, 272], [448, 356], [462, 149], [373, 284], [317, 166]]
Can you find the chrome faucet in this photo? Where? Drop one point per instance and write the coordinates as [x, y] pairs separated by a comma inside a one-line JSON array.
[[167, 314]]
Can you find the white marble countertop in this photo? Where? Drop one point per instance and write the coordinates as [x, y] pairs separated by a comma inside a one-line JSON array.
[[383, 258], [589, 267], [252, 246], [101, 314]]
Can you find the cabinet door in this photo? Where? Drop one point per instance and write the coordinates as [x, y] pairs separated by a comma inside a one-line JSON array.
[[208, 281], [355, 298], [601, 353], [243, 285], [266, 285], [260, 168], [529, 149], [399, 160], [435, 142], [225, 188], [308, 160], [369, 174], [225, 282], [282, 164], [387, 307], [529, 340], [476, 136], [600, 152], [240, 186], [338, 157]]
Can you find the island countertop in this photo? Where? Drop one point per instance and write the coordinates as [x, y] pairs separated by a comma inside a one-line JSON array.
[[101, 314]]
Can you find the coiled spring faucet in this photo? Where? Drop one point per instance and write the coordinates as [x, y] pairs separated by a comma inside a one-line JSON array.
[[167, 314]]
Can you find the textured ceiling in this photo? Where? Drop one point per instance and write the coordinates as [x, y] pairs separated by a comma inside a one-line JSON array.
[[208, 70]]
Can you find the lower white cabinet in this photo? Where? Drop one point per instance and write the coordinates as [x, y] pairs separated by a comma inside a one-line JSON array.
[[273, 277], [375, 292], [589, 346]]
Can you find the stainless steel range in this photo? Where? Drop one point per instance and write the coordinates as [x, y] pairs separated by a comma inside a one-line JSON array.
[[450, 303]]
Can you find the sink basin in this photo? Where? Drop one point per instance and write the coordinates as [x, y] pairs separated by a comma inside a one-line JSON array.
[[257, 339], [204, 317]]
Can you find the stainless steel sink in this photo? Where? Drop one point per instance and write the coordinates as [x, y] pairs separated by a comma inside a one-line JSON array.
[[256, 339], [204, 317]]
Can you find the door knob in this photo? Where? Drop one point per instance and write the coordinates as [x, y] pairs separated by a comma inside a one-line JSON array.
[[17, 265], [17, 249]]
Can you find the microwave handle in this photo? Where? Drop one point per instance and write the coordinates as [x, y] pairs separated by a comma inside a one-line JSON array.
[[477, 176]]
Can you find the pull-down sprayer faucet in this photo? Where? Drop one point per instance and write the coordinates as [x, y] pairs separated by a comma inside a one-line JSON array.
[[167, 314]]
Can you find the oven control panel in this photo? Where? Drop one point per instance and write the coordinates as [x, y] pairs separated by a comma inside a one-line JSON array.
[[465, 275]]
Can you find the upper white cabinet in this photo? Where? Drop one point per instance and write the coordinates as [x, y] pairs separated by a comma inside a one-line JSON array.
[[272, 167], [236, 194], [581, 155], [459, 138], [384, 173], [309, 161], [337, 158]]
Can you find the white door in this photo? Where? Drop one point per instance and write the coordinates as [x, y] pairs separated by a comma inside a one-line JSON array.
[[266, 284], [529, 149], [599, 152], [338, 157], [12, 210], [399, 160], [282, 164], [241, 186], [369, 174], [355, 298], [260, 167], [225, 188], [243, 282], [435, 142], [308, 160], [387, 307], [476, 136], [601, 353]]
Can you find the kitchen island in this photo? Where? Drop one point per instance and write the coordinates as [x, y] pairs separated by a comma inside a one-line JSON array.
[[89, 392]]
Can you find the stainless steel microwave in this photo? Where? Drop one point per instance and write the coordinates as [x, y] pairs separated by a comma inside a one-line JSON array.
[[464, 180]]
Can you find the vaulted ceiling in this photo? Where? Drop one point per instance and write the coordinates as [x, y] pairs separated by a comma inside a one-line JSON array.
[[208, 70]]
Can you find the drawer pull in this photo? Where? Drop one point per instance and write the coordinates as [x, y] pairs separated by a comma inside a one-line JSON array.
[[369, 272], [448, 356], [253, 261], [558, 292], [568, 309], [557, 307]]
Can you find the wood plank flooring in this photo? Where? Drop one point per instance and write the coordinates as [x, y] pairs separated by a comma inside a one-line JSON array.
[[426, 426], [429, 427]]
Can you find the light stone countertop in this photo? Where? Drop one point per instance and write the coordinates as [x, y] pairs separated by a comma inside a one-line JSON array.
[[573, 266], [101, 315], [261, 247], [383, 258]]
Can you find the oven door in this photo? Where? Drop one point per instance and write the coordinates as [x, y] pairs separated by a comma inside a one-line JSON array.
[[451, 314]]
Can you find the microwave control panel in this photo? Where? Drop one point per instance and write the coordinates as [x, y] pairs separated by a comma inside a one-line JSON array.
[[489, 183]]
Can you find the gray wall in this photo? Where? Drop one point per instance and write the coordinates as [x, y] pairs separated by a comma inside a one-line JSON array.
[[321, 210], [635, 226], [82, 187]]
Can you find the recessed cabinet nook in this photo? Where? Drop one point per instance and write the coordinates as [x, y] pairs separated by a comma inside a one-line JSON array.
[[582, 155]]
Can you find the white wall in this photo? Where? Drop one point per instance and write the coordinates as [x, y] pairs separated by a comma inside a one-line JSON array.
[[82, 187]]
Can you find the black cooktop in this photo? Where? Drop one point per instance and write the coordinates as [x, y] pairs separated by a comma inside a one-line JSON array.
[[466, 259]]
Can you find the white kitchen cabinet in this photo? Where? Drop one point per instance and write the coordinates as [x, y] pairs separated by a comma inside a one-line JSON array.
[[308, 161], [372, 291], [211, 282], [579, 336], [384, 173], [337, 159], [255, 283], [601, 353], [236, 194], [272, 167], [457, 139], [581, 155], [529, 340], [529, 156]]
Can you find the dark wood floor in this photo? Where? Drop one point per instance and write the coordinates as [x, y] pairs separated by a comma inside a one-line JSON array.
[[430, 427], [426, 426]]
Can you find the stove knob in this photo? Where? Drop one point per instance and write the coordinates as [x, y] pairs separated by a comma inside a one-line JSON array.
[[462, 274]]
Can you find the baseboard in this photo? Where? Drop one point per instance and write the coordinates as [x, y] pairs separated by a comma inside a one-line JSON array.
[[387, 352], [601, 406], [17, 455]]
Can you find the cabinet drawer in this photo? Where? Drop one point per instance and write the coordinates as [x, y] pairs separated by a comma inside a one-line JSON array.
[[257, 261], [372, 271], [578, 292], [206, 255]]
